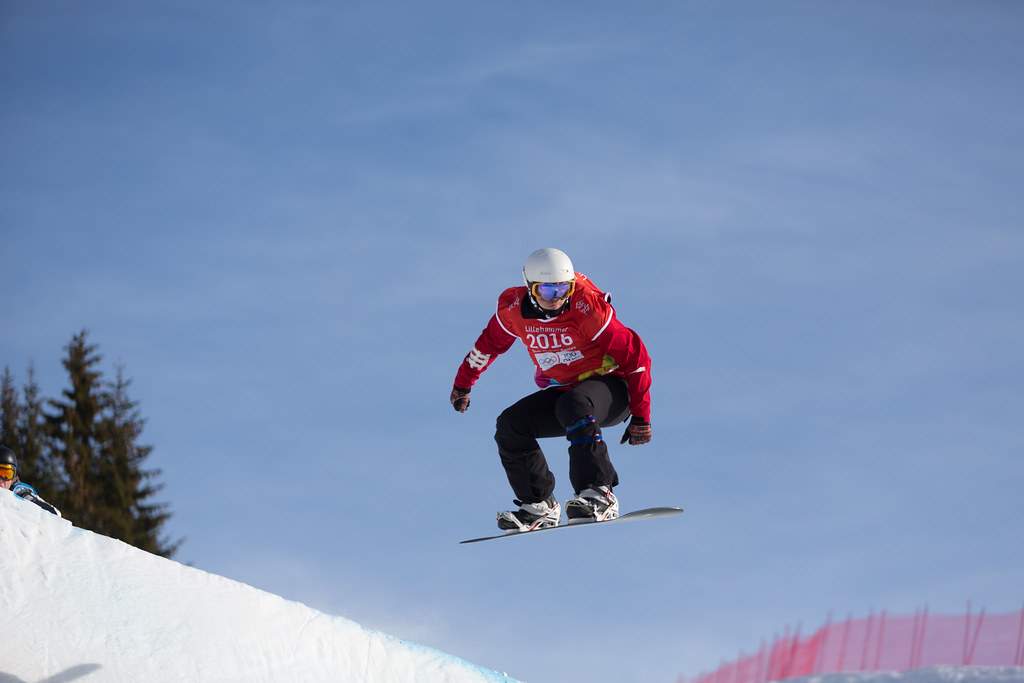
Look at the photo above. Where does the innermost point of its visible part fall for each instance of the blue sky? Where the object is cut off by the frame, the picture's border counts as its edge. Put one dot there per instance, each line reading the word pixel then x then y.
pixel 289 221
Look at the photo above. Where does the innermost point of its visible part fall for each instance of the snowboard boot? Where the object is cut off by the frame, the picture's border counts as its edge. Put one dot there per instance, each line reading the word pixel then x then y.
pixel 531 516
pixel 592 504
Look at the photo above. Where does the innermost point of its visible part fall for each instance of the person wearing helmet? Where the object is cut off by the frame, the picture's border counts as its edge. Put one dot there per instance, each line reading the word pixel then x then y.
pixel 9 480
pixel 593 372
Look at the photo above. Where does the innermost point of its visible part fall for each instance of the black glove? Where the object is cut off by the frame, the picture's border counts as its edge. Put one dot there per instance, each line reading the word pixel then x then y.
pixel 638 432
pixel 460 399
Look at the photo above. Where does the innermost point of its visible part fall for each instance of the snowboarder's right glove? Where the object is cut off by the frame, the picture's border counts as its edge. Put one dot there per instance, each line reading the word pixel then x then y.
pixel 638 432
pixel 460 399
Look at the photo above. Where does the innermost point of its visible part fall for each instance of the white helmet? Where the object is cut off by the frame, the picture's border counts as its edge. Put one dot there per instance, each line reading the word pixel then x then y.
pixel 548 265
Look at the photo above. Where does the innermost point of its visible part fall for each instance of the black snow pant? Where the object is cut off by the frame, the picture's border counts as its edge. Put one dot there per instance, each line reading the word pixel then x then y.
pixel 577 414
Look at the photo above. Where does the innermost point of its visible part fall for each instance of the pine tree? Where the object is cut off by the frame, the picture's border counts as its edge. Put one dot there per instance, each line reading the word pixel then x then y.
pixel 37 465
pixel 127 485
pixel 10 411
pixel 72 433
pixel 21 431
pixel 93 435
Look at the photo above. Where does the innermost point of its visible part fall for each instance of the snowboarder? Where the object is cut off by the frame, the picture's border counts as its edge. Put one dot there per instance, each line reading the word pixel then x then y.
pixel 593 372
pixel 9 480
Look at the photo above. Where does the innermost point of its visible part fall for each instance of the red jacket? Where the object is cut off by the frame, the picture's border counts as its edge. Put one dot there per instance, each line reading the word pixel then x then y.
pixel 582 341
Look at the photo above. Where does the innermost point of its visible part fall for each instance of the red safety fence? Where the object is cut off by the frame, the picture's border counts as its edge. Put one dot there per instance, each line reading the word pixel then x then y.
pixel 881 642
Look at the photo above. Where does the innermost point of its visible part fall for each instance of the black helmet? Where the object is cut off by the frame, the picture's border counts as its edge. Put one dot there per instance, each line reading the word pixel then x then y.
pixel 7 457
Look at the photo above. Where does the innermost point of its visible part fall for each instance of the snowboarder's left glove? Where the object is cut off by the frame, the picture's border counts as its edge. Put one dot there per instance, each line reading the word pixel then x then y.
pixel 460 399
pixel 637 433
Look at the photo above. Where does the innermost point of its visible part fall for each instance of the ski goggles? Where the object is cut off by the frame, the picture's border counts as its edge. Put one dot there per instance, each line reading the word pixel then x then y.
pixel 552 291
pixel 7 472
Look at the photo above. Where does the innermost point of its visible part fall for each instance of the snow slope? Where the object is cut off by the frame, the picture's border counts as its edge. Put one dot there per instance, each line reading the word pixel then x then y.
pixel 78 606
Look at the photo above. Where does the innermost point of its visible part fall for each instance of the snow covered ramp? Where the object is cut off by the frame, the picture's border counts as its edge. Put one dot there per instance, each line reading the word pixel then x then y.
pixel 77 606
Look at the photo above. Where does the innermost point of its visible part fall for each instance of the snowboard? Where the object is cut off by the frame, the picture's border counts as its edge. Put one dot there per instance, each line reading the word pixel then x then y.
pixel 646 513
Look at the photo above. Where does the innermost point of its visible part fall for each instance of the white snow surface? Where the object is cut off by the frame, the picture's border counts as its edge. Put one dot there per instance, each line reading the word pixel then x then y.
pixel 78 606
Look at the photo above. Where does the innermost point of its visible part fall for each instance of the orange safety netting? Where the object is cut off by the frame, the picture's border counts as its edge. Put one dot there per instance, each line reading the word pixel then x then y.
pixel 882 642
